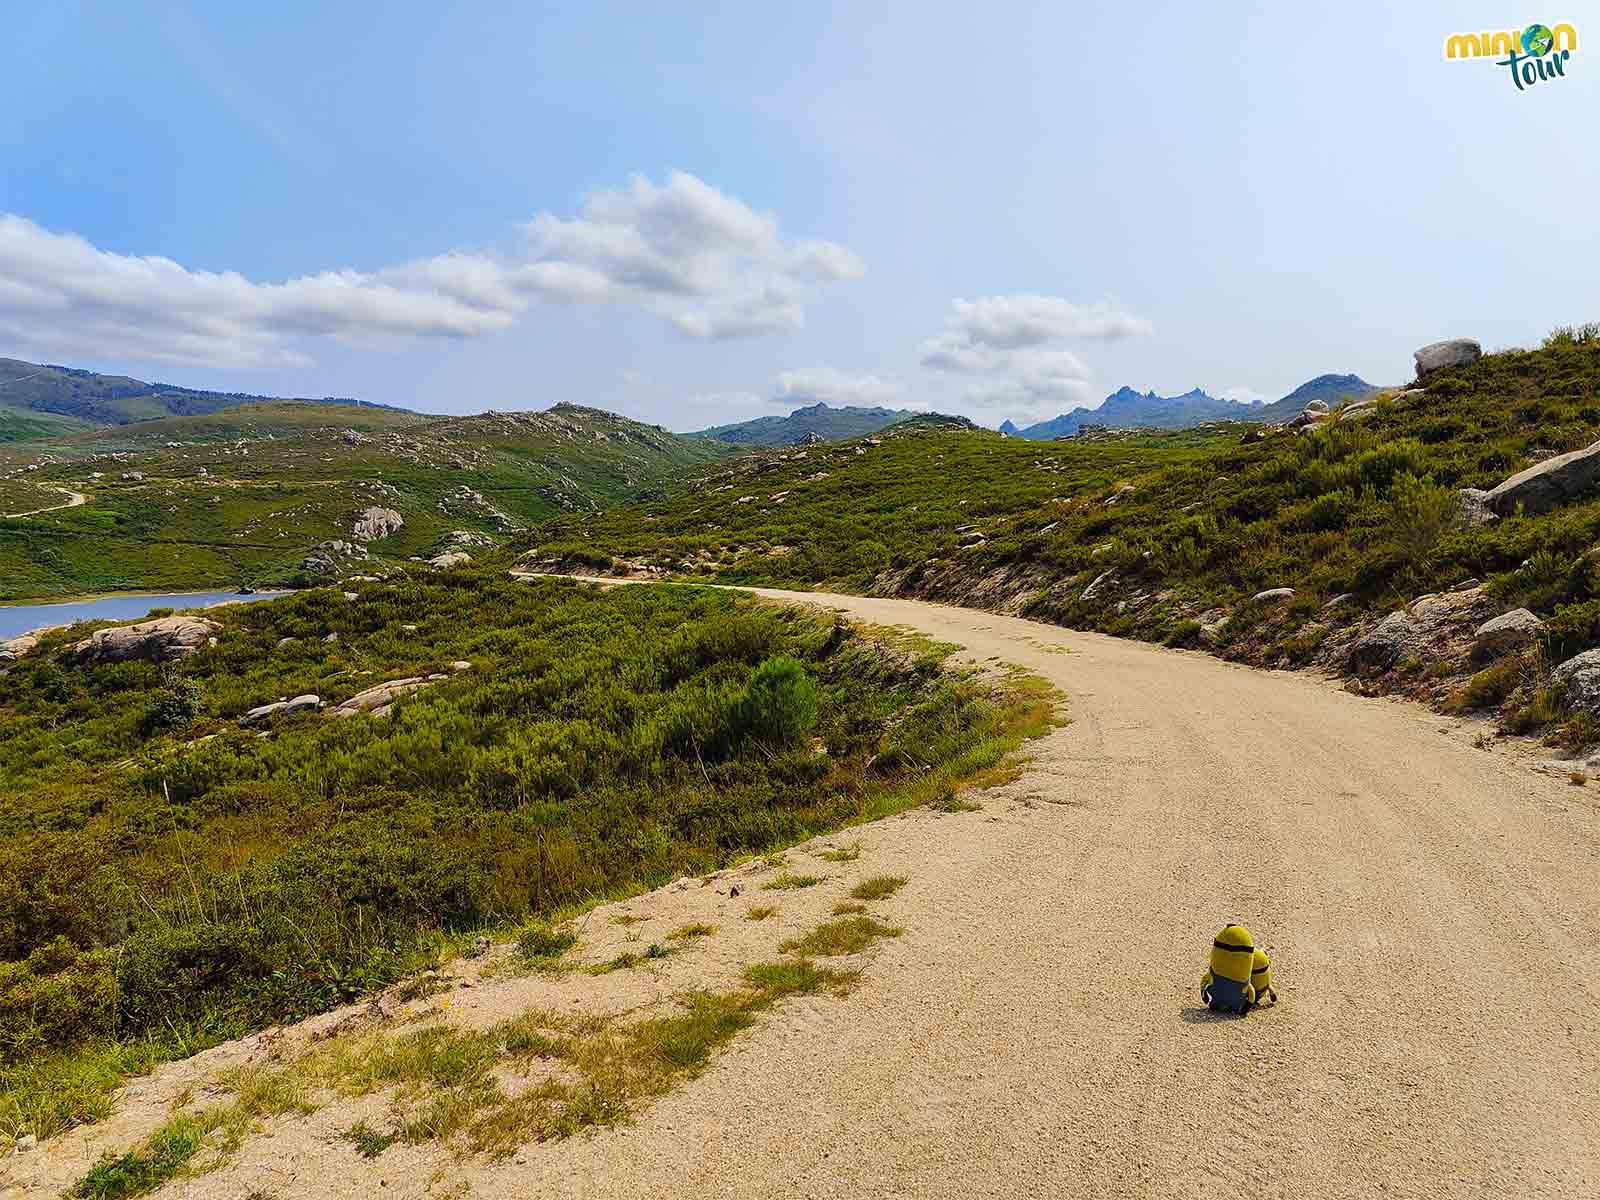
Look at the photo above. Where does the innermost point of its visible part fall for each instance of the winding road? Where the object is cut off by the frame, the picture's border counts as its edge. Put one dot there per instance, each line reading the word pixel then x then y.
pixel 74 500
pixel 1433 910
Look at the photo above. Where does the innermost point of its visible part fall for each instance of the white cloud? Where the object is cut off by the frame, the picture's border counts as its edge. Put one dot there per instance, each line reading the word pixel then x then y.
pixel 1013 342
pixel 1017 322
pixel 828 385
pixel 701 260
pixel 1036 382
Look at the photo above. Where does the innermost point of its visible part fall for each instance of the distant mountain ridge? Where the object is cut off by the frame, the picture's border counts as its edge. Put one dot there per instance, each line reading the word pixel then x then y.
pixel 1333 390
pixel 825 422
pixel 1126 408
pixel 102 400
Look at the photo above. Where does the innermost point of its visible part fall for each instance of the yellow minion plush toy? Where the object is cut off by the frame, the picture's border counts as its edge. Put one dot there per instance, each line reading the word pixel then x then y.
pixel 1261 977
pixel 1226 986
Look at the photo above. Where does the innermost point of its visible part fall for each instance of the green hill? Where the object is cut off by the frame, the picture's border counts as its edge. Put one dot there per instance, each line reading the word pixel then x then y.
pixel 1172 536
pixel 1332 390
pixel 819 422
pixel 26 425
pixel 110 399
pixel 251 493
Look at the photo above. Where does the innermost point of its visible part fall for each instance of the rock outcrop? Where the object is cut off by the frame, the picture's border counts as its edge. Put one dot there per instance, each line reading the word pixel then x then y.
pixel 450 559
pixel 1506 632
pixel 377 699
pixel 1395 637
pixel 1099 584
pixel 159 640
pixel 20 646
pixel 1548 484
pixel 373 524
pixel 1580 676
pixel 1474 508
pixel 256 716
pixel 1314 413
pixel 1362 409
pixel 324 557
pixel 1442 356
pixel 1273 596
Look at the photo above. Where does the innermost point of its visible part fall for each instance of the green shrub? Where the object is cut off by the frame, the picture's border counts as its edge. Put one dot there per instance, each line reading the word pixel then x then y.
pixel 1490 687
pixel 1185 633
pixel 780 702
pixel 540 941
pixel 1573 335
pixel 176 706
pixel 1421 513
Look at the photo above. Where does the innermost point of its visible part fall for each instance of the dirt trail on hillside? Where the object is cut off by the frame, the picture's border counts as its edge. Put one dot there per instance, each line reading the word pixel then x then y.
pixel 74 500
pixel 1432 910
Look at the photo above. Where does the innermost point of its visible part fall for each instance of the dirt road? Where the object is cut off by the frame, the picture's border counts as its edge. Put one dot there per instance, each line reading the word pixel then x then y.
pixel 74 500
pixel 1433 912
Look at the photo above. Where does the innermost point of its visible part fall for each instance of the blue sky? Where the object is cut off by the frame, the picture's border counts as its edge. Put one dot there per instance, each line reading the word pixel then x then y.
pixel 707 214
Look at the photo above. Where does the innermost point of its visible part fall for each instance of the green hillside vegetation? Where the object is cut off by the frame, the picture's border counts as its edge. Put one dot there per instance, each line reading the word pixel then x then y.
pixel 244 496
pixel 1174 528
pixel 168 879
pixel 94 399
pixel 818 421
pixel 844 516
pixel 273 418
pixel 25 425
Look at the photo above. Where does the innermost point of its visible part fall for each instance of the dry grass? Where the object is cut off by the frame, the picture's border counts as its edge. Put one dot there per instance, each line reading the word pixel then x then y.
pixel 789 881
pixel 843 854
pixel 445 1083
pixel 761 912
pixel 949 800
pixel 845 935
pixel 627 960
pixel 697 929
pixel 878 887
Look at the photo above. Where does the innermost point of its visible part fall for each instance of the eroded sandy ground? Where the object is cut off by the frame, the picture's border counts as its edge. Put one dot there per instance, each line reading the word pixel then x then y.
pixel 1432 909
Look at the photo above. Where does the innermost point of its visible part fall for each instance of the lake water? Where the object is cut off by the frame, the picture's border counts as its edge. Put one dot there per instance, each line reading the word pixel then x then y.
pixel 20 618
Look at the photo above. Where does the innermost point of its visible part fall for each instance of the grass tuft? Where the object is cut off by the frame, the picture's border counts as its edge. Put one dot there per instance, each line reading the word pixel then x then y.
pixel 543 943
pixel 627 960
pixel 789 881
pixel 843 854
pixel 878 887
pixel 949 800
pixel 698 929
pixel 369 1143
pixel 760 912
pixel 846 935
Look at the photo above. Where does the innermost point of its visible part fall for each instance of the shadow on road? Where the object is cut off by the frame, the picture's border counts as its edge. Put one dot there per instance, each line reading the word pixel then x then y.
pixel 1197 1015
